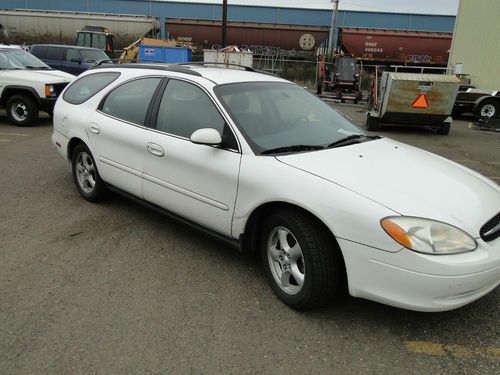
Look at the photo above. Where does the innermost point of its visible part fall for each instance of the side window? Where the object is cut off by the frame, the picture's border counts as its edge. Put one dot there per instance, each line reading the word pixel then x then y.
pixel 83 39
pixel 185 108
pixel 130 101
pixel 84 88
pixel 55 53
pixel 39 51
pixel 72 53
pixel 99 41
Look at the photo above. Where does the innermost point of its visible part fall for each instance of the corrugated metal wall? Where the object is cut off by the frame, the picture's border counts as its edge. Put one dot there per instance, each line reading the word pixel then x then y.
pixel 281 15
pixel 476 42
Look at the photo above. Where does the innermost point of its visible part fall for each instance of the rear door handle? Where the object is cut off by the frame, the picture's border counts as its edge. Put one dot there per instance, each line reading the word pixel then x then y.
pixel 94 128
pixel 155 149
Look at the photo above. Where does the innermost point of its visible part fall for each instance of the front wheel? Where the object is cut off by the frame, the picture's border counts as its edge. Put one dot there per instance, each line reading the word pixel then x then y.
pixel 21 110
pixel 302 262
pixel 85 174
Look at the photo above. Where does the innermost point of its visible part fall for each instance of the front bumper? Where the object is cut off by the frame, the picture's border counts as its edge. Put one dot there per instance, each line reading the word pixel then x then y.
pixel 421 282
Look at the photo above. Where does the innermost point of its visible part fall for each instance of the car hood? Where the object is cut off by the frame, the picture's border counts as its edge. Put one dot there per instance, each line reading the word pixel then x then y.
pixel 407 180
pixel 40 76
pixel 59 74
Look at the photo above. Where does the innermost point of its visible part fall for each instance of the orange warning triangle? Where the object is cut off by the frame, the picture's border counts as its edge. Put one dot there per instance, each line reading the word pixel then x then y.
pixel 421 102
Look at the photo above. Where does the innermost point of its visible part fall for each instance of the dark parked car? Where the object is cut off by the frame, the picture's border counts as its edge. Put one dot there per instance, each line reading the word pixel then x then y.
pixel 71 59
pixel 481 103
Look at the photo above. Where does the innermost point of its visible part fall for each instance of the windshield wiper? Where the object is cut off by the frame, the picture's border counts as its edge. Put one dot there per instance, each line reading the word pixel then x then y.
pixel 292 148
pixel 352 139
pixel 37 67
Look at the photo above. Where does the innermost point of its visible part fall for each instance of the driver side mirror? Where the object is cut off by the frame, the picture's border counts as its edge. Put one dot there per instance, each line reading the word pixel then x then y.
pixel 206 136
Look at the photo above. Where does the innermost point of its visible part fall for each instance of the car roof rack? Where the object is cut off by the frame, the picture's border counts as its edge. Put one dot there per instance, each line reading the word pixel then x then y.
pixel 177 67
pixel 104 64
pixel 229 65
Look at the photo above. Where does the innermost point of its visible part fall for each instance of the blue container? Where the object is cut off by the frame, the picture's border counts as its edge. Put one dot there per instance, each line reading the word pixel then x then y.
pixel 164 54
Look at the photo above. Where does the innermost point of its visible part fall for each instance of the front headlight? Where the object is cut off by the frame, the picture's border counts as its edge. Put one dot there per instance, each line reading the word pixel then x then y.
pixel 427 236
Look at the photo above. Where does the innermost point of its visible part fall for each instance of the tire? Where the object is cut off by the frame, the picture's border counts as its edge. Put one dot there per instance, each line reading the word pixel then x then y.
pixel 444 129
pixel 87 180
pixel 372 123
pixel 313 259
pixel 488 108
pixel 21 110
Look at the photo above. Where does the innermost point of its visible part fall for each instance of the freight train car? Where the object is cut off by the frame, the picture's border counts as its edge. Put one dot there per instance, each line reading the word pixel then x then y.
pixel 396 46
pixel 36 26
pixel 251 34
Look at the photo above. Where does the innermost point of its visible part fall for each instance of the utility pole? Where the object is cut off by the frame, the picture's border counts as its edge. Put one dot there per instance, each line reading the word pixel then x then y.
pixel 333 28
pixel 224 23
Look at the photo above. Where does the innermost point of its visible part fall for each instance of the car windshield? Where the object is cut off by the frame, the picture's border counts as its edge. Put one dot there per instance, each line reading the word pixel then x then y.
pixel 283 117
pixel 20 59
pixel 90 55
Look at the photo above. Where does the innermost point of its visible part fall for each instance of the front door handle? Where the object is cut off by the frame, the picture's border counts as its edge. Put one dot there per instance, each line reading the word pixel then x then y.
pixel 94 128
pixel 155 149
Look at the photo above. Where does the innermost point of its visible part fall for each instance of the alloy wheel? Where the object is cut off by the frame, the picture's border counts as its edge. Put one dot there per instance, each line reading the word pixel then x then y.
pixel 286 260
pixel 86 173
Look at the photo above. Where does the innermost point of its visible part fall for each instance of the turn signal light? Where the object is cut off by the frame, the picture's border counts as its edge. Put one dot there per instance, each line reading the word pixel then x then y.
pixel 49 91
pixel 397 233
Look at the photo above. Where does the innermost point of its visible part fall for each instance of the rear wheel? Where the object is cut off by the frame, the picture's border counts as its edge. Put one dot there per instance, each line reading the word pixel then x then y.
pixel 86 176
pixel 487 108
pixel 444 129
pixel 21 110
pixel 301 261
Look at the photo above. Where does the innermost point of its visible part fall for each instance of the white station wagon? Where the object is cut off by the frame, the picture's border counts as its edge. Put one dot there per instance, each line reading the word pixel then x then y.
pixel 264 165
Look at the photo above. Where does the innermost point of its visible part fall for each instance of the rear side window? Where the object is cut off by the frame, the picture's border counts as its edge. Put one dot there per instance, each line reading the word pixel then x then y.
pixel 55 53
pixel 130 101
pixel 84 88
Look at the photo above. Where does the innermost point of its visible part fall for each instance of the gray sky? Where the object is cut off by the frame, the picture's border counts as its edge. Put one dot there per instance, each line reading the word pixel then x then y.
pixel 448 7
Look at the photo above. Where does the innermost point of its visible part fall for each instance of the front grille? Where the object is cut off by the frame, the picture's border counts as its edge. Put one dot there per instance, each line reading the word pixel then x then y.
pixel 491 229
pixel 58 87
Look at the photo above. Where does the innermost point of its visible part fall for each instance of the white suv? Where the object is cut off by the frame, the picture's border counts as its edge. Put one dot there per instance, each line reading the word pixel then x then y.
pixel 264 165
pixel 27 85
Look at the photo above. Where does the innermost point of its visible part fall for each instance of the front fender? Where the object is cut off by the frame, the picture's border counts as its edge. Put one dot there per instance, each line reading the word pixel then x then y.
pixel 347 214
pixel 478 101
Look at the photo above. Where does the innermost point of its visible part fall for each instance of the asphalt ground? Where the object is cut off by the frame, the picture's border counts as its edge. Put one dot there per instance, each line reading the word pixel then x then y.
pixel 116 288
